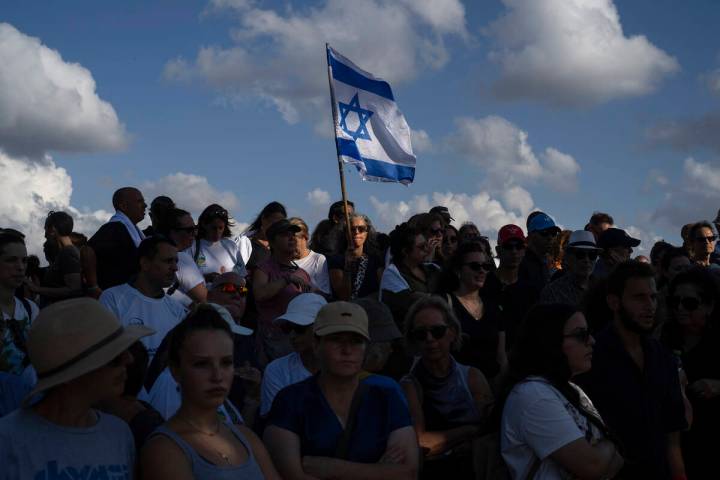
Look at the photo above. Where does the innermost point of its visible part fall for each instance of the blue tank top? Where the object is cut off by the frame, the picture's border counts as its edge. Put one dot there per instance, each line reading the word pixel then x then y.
pixel 204 470
pixel 446 402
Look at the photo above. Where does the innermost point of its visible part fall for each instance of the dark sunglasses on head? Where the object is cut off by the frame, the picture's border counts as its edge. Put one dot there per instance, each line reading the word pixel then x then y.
pixel 359 229
pixel 581 253
pixel 709 239
pixel 232 288
pixel 582 335
pixel 287 327
pixel 477 266
pixel 218 213
pixel 513 246
pixel 437 332
pixel 689 304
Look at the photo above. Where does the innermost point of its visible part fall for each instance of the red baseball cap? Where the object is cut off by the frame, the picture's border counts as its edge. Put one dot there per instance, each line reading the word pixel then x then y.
pixel 510 232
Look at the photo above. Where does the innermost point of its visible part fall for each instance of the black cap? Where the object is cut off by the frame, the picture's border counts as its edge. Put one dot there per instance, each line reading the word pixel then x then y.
pixel 442 211
pixel 281 226
pixel 616 237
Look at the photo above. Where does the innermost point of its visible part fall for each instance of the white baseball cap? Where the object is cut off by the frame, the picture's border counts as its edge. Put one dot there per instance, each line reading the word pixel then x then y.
pixel 303 309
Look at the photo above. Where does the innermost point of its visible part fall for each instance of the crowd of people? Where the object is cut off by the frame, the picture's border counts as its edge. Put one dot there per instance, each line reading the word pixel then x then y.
pixel 187 351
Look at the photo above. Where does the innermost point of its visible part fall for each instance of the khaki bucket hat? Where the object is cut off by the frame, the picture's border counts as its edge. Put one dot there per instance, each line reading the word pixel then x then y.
pixel 73 337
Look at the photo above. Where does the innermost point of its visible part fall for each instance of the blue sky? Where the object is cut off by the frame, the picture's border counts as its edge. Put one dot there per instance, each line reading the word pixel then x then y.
pixel 568 106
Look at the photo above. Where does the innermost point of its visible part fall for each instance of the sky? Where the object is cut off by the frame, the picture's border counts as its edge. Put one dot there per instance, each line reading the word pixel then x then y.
pixel 569 106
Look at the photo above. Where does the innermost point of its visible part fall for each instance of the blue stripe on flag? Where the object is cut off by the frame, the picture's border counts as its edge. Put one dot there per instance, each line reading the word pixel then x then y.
pixel 349 76
pixel 376 168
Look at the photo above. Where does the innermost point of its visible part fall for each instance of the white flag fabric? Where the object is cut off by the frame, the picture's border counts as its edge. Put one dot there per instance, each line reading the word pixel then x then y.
pixel 370 131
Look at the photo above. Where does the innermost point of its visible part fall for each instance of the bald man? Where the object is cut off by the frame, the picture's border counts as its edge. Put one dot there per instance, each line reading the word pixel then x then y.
pixel 115 243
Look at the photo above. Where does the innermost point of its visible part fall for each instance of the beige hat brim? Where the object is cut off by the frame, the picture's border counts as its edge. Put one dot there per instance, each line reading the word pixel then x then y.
pixel 93 361
pixel 330 329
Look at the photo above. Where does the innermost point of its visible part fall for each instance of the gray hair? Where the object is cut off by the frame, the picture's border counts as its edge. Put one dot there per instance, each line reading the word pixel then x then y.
pixel 435 303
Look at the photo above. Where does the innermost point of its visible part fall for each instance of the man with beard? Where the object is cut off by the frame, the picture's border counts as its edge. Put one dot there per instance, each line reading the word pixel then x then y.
pixel 634 381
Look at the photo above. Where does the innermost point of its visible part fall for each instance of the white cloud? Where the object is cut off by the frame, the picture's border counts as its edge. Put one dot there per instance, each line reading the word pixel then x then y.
pixel 49 104
pixel 506 157
pixel 647 239
pixel 278 57
pixel 190 192
pixel 318 198
pixel 488 213
pixel 712 81
pixel 704 178
pixel 420 141
pixel 30 190
pixel 572 53
pixel 687 134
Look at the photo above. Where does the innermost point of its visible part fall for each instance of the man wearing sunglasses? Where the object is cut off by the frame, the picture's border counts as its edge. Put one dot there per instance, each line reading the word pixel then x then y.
pixel 703 241
pixel 581 253
pixel 534 269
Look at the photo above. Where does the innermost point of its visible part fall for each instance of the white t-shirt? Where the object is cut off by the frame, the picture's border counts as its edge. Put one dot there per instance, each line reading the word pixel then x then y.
pixel 316 266
pixel 11 357
pixel 280 373
pixel 134 308
pixel 245 245
pixel 538 420
pixel 219 257
pixel 164 396
pixel 188 276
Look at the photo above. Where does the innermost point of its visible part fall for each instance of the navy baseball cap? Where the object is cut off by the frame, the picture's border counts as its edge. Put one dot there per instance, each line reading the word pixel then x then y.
pixel 616 237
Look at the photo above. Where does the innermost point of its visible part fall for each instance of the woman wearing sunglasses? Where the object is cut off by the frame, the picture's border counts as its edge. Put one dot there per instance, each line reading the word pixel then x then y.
pixel 178 226
pixel 550 428
pixel 691 331
pixel 483 343
pixel 448 401
pixel 357 273
pixel 213 251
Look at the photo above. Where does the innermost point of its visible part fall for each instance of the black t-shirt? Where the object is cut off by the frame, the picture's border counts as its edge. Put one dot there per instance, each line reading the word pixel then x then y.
pixel 67 262
pixel 640 406
pixel 513 302
pixel 370 283
pixel 480 337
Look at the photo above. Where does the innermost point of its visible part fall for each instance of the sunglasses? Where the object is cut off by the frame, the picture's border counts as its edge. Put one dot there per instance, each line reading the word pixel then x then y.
pixel 580 253
pixel 287 327
pixel 582 335
pixel 689 304
pixel 450 239
pixel 709 239
pixel 513 246
pixel 359 229
pixel 477 266
pixel 192 229
pixel 437 332
pixel 218 213
pixel 434 232
pixel 232 288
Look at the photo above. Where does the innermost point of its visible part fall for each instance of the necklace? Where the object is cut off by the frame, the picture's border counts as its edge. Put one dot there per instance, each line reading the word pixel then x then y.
pixel 224 456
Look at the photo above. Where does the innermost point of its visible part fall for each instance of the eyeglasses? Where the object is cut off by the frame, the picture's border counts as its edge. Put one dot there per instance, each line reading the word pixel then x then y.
pixel 435 232
pixel 477 266
pixel 287 327
pixel 709 239
pixel 549 232
pixel 513 246
pixel 359 229
pixel 232 288
pixel 436 331
pixel 689 304
pixel 581 253
pixel 218 213
pixel 450 239
pixel 582 335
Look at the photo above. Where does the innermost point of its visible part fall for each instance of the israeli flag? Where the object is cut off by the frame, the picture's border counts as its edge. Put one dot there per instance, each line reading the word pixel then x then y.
pixel 370 131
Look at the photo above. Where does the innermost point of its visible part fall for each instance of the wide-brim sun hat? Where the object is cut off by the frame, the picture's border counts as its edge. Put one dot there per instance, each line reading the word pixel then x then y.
pixel 73 337
pixel 582 240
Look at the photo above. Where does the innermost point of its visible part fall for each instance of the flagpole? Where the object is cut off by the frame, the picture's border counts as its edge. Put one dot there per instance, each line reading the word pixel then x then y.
pixel 340 162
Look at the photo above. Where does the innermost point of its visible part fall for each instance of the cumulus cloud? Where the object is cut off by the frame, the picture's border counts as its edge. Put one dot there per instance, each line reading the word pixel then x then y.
pixel 49 104
pixel 318 198
pixel 688 133
pixel 190 192
pixel 30 190
pixel 278 57
pixel 506 157
pixel 572 53
pixel 712 81
pixel 646 236
pixel 488 213
pixel 420 141
pixel 696 196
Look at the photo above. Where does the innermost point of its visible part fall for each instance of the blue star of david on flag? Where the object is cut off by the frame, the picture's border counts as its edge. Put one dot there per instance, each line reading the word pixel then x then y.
pixel 362 114
pixel 377 141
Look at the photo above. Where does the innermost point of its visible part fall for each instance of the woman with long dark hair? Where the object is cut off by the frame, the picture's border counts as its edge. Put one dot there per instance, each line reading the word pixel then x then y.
pixel 213 251
pixel 253 243
pixel 550 428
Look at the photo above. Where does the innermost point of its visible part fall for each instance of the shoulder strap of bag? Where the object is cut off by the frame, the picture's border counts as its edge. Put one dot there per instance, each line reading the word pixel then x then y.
pixel 341 451
pixel 534 469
